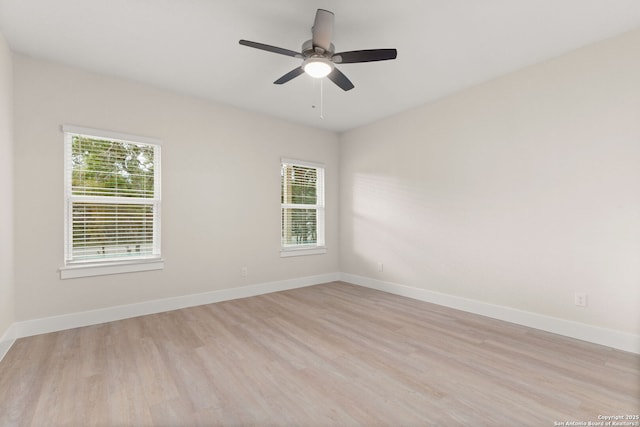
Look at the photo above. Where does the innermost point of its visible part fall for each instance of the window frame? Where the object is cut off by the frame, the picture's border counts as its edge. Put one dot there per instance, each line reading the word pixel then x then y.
pixel 115 265
pixel 319 247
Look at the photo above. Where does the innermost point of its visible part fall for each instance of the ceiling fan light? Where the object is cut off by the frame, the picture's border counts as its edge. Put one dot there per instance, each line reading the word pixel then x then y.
pixel 318 67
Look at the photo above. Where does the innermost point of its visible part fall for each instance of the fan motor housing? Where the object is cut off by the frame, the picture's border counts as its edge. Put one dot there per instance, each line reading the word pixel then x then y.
pixel 309 51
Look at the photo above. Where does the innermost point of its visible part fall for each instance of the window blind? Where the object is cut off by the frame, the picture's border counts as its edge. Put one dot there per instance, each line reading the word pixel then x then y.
pixel 302 205
pixel 112 199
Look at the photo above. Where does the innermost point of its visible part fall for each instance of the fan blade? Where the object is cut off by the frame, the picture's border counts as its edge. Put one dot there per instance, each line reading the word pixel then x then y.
pixel 270 48
pixel 323 29
pixel 289 76
pixel 340 79
pixel 369 55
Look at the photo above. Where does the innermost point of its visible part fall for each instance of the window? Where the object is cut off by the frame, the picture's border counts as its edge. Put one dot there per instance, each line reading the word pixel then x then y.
pixel 302 206
pixel 112 203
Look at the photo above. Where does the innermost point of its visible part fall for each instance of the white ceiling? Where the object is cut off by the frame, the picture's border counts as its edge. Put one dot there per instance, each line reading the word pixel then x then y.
pixel 191 46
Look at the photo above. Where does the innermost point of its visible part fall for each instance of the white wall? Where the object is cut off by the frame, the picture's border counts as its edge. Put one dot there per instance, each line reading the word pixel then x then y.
pixel 221 184
pixel 6 190
pixel 517 192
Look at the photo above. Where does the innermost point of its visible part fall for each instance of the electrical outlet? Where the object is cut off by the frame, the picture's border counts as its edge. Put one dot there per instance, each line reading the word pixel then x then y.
pixel 244 271
pixel 580 299
pixel 380 267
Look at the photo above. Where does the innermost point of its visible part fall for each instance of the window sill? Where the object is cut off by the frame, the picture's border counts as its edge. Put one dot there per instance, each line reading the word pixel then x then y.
pixel 302 251
pixel 103 269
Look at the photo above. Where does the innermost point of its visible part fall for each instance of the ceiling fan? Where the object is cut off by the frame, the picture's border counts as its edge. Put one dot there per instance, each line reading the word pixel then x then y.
pixel 318 54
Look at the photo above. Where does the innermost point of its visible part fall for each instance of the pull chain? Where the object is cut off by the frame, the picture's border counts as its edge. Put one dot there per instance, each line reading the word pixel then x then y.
pixel 321 98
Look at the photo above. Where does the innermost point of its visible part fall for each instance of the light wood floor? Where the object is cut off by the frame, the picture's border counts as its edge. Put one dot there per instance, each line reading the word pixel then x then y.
pixel 333 354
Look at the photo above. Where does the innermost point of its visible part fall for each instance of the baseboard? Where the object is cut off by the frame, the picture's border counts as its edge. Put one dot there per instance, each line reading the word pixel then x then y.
pixel 594 334
pixel 7 340
pixel 94 317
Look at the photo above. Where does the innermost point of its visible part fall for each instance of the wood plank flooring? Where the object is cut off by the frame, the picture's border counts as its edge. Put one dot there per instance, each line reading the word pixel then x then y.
pixel 333 354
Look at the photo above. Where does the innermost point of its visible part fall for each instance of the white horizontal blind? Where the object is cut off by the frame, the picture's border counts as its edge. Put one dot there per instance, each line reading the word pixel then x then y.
pixel 112 199
pixel 302 205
